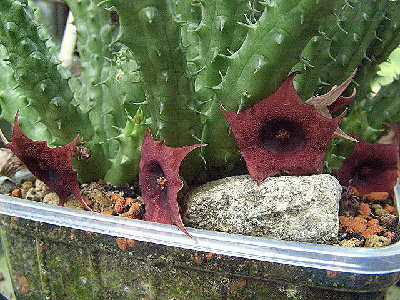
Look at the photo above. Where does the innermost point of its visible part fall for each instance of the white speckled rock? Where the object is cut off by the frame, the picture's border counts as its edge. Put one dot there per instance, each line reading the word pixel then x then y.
pixel 297 208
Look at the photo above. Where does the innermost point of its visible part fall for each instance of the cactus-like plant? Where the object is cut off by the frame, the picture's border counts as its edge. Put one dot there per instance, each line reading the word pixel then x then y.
pixel 170 64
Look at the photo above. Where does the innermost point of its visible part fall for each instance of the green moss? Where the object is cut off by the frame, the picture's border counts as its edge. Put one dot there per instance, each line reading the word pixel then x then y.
pixel 47 261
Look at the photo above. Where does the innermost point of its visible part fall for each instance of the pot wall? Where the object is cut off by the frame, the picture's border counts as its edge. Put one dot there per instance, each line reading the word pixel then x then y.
pixel 53 262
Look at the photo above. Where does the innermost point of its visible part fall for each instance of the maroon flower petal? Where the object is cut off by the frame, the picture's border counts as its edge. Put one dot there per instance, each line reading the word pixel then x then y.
pixel 341 102
pixel 50 165
pixel 372 167
pixel 159 180
pixel 282 133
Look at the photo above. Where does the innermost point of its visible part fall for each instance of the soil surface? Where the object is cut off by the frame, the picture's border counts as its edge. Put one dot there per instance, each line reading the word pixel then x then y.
pixel 368 221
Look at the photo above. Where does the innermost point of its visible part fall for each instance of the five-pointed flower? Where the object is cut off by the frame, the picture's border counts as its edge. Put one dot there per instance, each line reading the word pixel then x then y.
pixel 50 165
pixel 159 180
pixel 281 133
pixel 372 167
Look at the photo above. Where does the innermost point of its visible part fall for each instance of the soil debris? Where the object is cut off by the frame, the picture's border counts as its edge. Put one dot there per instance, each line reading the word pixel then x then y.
pixel 369 221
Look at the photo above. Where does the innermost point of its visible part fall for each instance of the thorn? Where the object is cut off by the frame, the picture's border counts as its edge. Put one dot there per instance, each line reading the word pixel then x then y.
pixel 356 37
pixel 100 83
pixel 196 137
pixel 227 56
pixel 229 51
pixel 221 22
pixel 198 112
pixel 203 159
pixel 377 37
pixel 248 26
pixel 330 55
pixel 340 27
pixel 279 38
pixel 366 57
pixel 269 3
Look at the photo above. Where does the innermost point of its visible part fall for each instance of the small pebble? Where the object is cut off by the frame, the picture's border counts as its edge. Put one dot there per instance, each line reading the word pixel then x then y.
pixel 377 196
pixel 25 187
pixel 122 243
pixel 353 242
pixel 376 206
pixel 389 208
pixel 381 212
pixel 388 220
pixel 389 235
pixel 373 227
pixel 119 202
pixel 364 209
pixel 16 193
pixel 377 241
pixel 107 213
pixel 51 198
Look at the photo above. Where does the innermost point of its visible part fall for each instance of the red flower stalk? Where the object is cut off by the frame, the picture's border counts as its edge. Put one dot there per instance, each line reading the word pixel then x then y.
pixel 282 133
pixel 372 167
pixel 50 165
pixel 159 180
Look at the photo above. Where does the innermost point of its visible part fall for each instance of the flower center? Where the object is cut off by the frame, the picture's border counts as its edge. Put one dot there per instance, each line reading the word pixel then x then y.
pixel 282 137
pixel 162 182
pixel 365 171
pixel 157 182
pixel 282 134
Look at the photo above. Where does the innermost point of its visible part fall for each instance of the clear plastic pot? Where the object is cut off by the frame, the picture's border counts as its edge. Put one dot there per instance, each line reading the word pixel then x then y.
pixel 60 253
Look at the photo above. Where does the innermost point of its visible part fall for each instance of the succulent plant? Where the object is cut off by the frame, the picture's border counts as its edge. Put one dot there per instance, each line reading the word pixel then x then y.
pixel 170 64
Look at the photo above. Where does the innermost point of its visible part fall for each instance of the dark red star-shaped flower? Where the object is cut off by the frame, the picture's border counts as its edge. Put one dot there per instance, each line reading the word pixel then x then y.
pixel 50 165
pixel 282 133
pixel 159 180
pixel 372 167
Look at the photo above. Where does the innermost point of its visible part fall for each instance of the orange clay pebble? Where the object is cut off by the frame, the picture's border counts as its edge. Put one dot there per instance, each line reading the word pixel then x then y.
pixel 131 243
pixel 197 259
pixel 389 234
pixel 114 197
pixel 332 274
pixel 364 209
pixel 353 224
pixel 242 283
pixel 130 213
pixel 107 213
pixel 209 255
pixel 389 208
pixel 376 196
pixel 122 243
pixel 129 200
pixel 372 228
pixel 119 202
pixel 16 193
